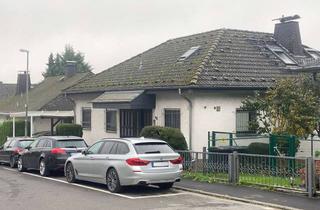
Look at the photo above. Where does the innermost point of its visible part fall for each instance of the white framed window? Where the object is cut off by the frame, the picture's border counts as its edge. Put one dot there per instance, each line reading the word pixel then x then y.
pixel 246 121
pixel 86 118
pixel 111 121
pixel 172 118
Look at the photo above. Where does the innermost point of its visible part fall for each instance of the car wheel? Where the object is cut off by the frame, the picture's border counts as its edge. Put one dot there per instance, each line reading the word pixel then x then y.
pixel 43 168
pixel 12 162
pixel 70 176
pixel 165 186
pixel 20 166
pixel 113 182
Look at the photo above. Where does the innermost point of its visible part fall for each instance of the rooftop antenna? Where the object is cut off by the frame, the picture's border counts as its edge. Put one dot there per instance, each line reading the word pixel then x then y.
pixel 285 19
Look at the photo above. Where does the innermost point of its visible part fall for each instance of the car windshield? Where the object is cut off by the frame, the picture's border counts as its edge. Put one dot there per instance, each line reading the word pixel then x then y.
pixel 71 143
pixel 24 143
pixel 152 148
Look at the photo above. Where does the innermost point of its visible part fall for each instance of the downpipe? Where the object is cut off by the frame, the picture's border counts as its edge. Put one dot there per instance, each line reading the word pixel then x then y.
pixel 190 116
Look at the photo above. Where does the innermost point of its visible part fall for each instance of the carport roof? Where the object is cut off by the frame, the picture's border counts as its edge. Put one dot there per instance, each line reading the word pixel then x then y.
pixel 49 114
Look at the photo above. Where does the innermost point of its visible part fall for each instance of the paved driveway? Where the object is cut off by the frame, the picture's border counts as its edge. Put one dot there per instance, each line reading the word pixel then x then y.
pixel 30 191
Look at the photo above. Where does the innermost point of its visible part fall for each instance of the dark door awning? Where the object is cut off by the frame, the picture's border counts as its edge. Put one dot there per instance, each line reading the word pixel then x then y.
pixel 136 99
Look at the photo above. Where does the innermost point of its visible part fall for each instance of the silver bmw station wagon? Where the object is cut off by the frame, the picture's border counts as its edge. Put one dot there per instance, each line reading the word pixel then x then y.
pixel 125 162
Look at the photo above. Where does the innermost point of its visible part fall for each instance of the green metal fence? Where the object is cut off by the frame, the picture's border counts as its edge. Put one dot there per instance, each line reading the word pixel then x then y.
pixel 248 169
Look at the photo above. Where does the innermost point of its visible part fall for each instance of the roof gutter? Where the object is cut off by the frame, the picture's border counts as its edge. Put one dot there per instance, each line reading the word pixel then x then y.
pixel 190 116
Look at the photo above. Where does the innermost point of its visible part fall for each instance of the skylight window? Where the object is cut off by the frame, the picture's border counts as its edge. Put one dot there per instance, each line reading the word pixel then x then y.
pixel 313 53
pixel 187 54
pixel 280 53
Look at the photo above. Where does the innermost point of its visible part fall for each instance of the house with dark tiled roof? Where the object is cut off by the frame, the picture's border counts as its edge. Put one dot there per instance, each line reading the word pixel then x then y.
pixel 195 83
pixel 48 105
pixel 6 90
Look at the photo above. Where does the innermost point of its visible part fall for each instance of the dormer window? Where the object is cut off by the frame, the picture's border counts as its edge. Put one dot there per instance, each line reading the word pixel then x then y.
pixel 187 54
pixel 281 54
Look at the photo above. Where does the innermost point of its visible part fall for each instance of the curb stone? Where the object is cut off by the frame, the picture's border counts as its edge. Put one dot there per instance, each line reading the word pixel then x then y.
pixel 236 199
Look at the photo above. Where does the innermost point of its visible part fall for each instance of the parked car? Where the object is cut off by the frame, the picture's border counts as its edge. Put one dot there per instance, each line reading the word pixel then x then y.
pixel 9 151
pixel 49 153
pixel 124 162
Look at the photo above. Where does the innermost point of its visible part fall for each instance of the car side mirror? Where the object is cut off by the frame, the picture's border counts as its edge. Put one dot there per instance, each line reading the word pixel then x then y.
pixel 28 147
pixel 84 152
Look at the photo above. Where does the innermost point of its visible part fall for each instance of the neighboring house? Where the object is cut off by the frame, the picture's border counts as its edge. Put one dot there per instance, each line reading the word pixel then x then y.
pixel 47 104
pixel 7 90
pixel 194 83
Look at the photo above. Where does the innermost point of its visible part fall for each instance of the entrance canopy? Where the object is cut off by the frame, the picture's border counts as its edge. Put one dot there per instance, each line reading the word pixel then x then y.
pixel 136 99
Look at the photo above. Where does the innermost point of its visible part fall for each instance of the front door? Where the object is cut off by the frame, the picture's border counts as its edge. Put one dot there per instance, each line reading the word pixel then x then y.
pixel 133 120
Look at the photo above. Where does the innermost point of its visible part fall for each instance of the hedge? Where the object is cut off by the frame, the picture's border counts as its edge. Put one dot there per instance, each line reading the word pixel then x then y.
pixel 6 129
pixel 69 129
pixel 172 136
pixel 258 148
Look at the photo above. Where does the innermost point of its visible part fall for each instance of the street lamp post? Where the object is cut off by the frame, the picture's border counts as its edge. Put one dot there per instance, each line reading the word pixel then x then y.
pixel 27 93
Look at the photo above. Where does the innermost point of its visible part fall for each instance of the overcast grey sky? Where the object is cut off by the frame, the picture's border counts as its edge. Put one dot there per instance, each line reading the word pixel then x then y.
pixel 110 31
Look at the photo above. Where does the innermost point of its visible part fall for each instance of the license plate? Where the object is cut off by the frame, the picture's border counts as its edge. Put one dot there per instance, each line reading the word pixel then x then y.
pixel 160 164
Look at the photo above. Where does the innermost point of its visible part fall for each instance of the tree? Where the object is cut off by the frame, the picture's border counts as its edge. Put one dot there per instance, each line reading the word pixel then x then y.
pixel 55 65
pixel 290 107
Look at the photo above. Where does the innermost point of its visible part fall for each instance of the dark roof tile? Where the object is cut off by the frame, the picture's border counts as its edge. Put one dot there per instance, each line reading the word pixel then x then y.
pixel 226 58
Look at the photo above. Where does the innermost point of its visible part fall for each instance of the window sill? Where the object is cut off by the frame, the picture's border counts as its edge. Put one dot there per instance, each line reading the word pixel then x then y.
pixel 108 131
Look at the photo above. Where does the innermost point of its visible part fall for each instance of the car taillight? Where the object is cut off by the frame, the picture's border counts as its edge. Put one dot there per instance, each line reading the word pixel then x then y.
pixel 58 151
pixel 137 162
pixel 177 161
pixel 17 150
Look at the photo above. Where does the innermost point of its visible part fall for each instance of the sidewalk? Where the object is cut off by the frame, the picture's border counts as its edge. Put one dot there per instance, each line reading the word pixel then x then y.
pixel 250 194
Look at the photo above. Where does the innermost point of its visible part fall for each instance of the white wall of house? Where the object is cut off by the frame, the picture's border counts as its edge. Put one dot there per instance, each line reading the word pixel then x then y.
pixel 172 100
pixel 214 111
pixel 206 115
pixel 41 124
pixel 98 123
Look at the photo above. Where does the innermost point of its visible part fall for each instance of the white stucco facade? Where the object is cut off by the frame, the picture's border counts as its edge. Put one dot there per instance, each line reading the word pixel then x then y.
pixel 211 110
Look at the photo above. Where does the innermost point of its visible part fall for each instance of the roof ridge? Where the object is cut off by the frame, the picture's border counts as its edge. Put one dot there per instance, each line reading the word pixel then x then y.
pixel 207 58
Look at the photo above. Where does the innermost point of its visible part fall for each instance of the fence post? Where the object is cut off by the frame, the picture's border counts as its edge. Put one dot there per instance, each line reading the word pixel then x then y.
pixel 230 167
pixel 196 168
pixel 233 167
pixel 236 168
pixel 204 157
pixel 310 177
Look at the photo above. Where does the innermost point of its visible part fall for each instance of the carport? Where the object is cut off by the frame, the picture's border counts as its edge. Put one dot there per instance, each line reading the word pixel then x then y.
pixel 54 116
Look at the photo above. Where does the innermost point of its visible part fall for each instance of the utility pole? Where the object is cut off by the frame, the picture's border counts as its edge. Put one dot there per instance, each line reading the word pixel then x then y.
pixel 27 93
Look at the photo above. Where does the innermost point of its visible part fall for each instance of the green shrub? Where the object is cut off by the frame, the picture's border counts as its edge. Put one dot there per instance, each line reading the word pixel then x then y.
pixel 69 129
pixel 6 129
pixel 258 148
pixel 172 136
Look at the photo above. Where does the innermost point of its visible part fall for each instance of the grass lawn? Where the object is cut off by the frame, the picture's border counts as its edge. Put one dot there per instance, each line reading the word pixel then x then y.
pixel 246 179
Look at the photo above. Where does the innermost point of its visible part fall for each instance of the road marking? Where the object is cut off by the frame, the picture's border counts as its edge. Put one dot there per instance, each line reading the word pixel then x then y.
pixel 104 191
pixel 99 190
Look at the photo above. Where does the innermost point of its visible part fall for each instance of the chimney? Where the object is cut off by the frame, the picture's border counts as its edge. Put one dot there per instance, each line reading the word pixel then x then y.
pixel 70 68
pixel 287 33
pixel 21 83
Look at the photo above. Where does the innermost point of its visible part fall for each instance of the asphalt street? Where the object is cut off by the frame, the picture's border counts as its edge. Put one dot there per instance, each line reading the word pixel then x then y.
pixel 29 191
